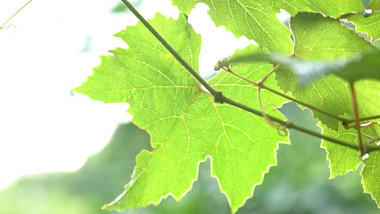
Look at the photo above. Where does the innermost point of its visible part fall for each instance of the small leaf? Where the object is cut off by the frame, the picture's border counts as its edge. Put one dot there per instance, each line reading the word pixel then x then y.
pixel 367 23
pixel 371 176
pixel 343 160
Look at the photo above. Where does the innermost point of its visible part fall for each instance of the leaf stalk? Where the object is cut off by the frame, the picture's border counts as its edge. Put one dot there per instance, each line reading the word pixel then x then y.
pixel 356 115
pixel 259 84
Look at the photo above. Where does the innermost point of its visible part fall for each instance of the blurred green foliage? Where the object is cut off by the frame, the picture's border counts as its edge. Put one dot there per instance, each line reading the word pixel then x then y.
pixel 299 184
pixel 84 191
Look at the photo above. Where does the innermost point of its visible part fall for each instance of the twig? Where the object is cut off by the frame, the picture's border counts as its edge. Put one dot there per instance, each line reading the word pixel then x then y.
pixel 343 120
pixel 372 140
pixel 2 26
pixel 219 97
pixel 364 125
pixel 363 119
pixel 261 82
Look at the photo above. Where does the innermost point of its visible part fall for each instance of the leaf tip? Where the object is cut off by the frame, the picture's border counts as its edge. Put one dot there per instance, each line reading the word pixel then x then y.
pixel 114 205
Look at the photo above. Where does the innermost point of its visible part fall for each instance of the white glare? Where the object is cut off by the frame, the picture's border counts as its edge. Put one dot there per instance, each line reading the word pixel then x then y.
pixel 216 42
pixel 364 157
pixel 368 11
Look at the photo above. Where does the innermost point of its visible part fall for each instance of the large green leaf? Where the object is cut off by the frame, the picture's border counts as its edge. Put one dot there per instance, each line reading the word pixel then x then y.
pixel 257 19
pixel 322 38
pixel 368 24
pixel 185 124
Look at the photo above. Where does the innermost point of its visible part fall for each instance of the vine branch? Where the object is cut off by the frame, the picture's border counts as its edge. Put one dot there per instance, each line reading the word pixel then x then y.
pixel 219 97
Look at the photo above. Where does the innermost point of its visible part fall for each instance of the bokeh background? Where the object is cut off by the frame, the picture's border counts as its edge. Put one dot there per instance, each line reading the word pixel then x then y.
pixel 64 165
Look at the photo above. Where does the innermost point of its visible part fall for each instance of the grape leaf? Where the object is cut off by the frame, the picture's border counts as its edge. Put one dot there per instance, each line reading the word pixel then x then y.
pixel 324 38
pixel 343 159
pixel 364 66
pixel 257 19
pixel 254 19
pixel 371 175
pixel 185 124
pixel 368 24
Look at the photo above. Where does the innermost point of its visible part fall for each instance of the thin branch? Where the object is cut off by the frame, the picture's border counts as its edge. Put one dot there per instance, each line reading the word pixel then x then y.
pixel 2 26
pixel 219 97
pixel 362 125
pixel 291 125
pixel 356 114
pixel 364 119
pixel 343 120
pixel 261 82
pixel 373 140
